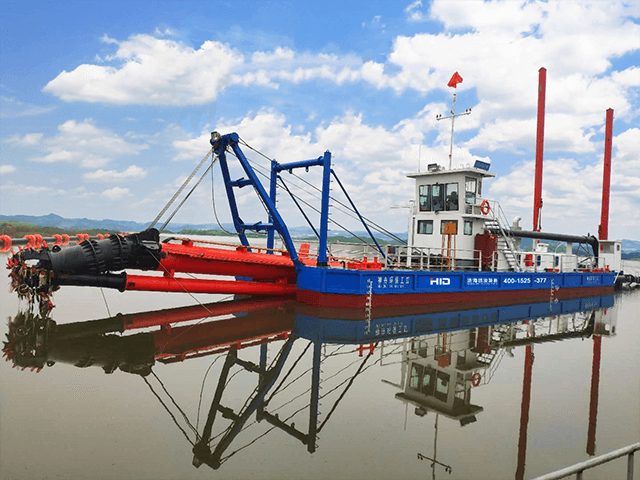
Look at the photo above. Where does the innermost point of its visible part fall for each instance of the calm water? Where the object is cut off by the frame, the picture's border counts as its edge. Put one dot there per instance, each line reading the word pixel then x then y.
pixel 71 422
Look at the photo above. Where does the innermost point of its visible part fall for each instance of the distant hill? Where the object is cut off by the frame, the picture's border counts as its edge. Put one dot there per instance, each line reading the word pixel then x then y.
pixel 630 245
pixel 53 220
pixel 79 224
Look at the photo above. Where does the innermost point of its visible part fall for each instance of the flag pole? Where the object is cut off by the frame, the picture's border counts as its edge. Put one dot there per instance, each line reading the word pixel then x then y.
pixel 455 80
pixel 453 118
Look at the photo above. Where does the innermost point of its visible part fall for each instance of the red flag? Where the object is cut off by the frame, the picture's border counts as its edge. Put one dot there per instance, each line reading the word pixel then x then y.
pixel 455 80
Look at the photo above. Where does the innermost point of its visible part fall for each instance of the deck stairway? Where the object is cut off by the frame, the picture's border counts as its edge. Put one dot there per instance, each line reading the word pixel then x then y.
pixel 506 243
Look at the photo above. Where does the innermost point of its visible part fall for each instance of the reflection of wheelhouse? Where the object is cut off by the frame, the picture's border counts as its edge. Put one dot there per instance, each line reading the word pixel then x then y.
pixel 449 202
pixel 439 372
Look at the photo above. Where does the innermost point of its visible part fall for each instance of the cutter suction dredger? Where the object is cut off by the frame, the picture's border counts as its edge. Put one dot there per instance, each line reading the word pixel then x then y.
pixel 406 275
pixel 245 269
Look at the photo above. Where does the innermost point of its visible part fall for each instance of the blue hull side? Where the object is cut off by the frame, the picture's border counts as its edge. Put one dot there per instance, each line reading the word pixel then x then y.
pixel 349 288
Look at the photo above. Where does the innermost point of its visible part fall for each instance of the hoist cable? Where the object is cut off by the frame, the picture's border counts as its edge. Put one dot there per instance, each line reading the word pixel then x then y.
pixel 186 182
pixel 189 194
pixel 378 228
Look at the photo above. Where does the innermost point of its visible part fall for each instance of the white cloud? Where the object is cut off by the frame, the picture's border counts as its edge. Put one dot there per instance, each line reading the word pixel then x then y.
pixel 79 142
pixel 572 191
pixel 576 41
pixel 131 173
pixel 414 12
pixel 21 189
pixel 115 193
pixel 4 169
pixel 11 107
pixel 26 140
pixel 151 71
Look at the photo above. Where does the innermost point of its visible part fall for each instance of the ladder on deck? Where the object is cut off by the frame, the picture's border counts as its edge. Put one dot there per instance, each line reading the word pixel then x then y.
pixel 499 223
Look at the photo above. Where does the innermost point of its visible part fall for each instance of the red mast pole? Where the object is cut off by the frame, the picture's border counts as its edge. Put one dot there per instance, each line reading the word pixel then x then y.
pixel 603 229
pixel 537 194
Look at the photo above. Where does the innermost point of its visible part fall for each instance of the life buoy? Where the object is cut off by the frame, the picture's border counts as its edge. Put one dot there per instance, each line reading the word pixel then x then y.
pixel 484 207
pixel 475 379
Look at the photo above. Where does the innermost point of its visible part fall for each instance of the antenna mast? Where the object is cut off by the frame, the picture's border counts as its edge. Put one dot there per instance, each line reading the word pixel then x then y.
pixel 455 80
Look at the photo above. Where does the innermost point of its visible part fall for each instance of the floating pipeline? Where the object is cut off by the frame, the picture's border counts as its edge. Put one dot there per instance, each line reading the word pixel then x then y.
pixel 37 272
pixel 37 241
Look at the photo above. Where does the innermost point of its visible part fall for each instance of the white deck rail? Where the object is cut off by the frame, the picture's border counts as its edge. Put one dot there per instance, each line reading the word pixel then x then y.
pixel 578 468
pixel 430 258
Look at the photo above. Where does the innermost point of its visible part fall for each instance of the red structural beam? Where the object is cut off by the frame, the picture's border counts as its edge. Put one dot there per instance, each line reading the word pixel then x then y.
pixel 603 229
pixel 237 262
pixel 196 285
pixel 537 193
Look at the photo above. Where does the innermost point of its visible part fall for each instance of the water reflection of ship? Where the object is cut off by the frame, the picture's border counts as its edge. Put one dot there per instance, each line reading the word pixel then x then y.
pixel 443 355
pixel 35 342
pixel 440 371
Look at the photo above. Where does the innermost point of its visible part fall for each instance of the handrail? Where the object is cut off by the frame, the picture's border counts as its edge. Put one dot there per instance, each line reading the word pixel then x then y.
pixel 578 468
pixel 427 258
pixel 503 222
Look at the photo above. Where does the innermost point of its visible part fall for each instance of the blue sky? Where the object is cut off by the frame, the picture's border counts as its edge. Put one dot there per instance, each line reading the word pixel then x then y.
pixel 105 107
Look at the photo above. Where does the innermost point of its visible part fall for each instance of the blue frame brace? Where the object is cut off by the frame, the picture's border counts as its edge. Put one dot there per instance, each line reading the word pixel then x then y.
pixel 325 163
pixel 276 223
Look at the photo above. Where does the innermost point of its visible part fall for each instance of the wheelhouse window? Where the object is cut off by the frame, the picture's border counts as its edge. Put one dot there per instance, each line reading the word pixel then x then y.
pixel 425 227
pixel 438 197
pixel 424 194
pixel 470 190
pixel 452 197
pixel 468 227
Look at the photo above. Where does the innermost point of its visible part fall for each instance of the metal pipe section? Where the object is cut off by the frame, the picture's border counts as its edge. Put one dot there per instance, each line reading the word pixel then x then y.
pixel 537 193
pixel 123 282
pixel 196 285
pixel 603 228
pixel 559 237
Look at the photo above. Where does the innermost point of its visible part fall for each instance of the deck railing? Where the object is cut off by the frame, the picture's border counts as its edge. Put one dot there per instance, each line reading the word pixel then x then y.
pixel 425 258
pixel 429 258
pixel 578 468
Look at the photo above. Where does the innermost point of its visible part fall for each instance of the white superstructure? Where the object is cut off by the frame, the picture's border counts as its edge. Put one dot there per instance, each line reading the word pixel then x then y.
pixel 449 202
